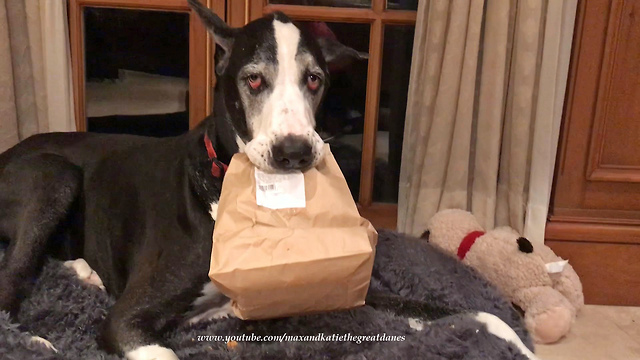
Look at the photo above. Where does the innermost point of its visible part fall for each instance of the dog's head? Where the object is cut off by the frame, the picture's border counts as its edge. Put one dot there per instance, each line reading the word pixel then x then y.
pixel 274 74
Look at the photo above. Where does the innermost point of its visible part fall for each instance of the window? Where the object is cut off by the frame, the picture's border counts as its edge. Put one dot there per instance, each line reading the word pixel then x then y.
pixel 121 44
pixel 363 115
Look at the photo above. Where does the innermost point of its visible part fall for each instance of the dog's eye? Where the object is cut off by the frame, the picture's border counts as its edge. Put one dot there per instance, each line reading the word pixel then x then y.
pixel 254 81
pixel 313 82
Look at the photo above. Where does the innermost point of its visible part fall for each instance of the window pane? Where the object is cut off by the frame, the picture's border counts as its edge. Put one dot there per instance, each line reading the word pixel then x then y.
pixel 340 119
pixel 335 3
pixel 396 67
pixel 137 71
pixel 402 4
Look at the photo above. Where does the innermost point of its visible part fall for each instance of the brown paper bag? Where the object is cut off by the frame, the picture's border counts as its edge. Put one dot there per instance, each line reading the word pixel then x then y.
pixel 275 263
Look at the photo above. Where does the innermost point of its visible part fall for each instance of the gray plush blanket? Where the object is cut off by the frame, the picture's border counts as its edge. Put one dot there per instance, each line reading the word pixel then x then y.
pixel 417 294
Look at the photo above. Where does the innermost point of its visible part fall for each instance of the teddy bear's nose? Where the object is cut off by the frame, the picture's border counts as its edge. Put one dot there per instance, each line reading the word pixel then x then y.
pixel 525 245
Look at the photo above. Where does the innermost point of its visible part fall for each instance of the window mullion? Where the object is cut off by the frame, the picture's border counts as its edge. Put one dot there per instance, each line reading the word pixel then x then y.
pixel 371 112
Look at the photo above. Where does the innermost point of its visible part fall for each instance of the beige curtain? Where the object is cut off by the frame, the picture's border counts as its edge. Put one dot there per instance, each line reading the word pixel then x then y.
pixel 36 94
pixel 485 99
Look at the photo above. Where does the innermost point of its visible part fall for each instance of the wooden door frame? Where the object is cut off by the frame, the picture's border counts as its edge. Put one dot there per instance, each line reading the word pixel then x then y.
pixel 382 215
pixel 602 243
pixel 200 52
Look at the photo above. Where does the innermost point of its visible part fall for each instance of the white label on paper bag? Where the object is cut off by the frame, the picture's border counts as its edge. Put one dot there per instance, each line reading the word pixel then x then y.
pixel 280 191
pixel 556 267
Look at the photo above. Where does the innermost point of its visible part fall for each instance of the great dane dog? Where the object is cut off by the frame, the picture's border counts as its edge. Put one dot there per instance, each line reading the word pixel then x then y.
pixel 140 211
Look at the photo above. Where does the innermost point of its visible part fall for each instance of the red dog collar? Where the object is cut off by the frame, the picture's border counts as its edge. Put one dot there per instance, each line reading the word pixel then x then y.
pixel 467 243
pixel 217 167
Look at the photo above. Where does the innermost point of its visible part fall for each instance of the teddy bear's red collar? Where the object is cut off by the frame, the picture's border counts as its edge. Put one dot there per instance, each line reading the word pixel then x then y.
pixel 467 243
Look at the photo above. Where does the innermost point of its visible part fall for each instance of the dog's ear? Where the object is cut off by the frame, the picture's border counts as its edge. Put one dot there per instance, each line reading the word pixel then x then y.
pixel 337 54
pixel 223 35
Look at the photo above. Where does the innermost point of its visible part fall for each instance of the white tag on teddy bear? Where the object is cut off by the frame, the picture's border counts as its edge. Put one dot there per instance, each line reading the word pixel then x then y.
pixel 556 267
pixel 280 191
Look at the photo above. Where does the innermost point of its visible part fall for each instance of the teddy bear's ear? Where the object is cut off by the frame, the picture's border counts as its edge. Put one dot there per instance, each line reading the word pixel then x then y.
pixel 425 235
pixel 525 245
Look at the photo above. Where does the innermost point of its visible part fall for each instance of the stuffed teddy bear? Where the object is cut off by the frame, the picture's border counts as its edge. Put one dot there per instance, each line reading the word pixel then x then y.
pixel 543 285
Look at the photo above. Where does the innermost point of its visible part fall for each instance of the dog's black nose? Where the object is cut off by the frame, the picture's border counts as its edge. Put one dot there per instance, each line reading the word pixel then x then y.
pixel 292 153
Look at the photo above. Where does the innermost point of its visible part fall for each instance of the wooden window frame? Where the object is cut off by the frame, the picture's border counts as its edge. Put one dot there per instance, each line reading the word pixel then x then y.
pixel 382 215
pixel 200 52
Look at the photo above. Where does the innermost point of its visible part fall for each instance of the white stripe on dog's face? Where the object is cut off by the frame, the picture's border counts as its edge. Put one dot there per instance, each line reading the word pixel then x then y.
pixel 284 110
pixel 289 108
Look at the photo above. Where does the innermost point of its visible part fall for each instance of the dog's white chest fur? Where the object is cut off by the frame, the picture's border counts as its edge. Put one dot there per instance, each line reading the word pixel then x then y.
pixel 212 304
pixel 213 210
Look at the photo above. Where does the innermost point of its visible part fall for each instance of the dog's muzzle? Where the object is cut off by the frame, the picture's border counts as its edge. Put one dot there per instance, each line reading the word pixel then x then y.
pixel 292 153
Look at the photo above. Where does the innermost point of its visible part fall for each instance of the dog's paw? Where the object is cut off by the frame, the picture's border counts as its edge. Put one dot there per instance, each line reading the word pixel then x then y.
pixel 499 328
pixel 223 312
pixel 85 273
pixel 43 341
pixel 151 352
